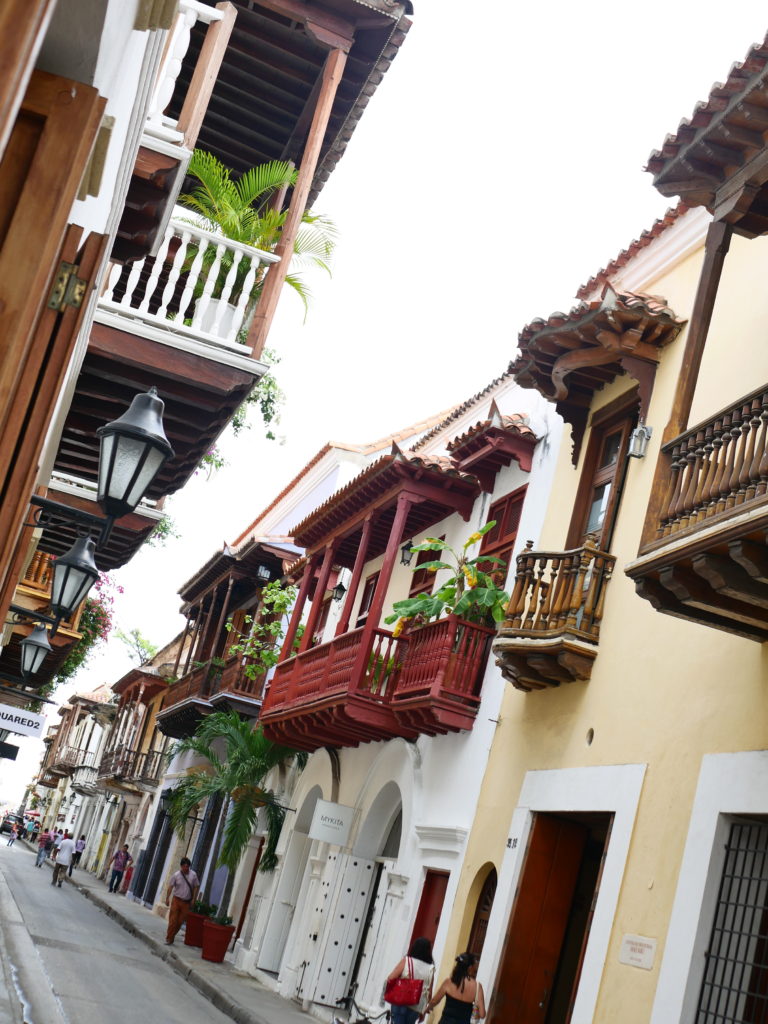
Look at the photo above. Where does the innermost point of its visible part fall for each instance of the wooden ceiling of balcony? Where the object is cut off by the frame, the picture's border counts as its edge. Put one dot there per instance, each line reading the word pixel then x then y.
pixel 438 487
pixel 264 96
pixel 570 356
pixel 200 398
pixel 718 158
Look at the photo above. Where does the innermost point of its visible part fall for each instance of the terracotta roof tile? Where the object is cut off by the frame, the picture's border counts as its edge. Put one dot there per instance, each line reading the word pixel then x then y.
pixel 515 423
pixel 604 275
pixel 458 411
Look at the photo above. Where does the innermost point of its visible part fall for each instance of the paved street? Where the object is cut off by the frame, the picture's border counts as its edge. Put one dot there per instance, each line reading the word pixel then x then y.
pixel 71 963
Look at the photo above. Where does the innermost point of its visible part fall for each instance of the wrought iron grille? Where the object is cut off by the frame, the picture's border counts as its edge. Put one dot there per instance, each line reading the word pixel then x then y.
pixel 735 985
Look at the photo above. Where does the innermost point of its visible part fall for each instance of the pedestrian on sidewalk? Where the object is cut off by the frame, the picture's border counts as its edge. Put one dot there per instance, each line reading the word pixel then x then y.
pixel 30 829
pixel 120 861
pixel 418 965
pixel 79 847
pixel 184 885
pixel 14 834
pixel 63 859
pixel 56 844
pixel 44 844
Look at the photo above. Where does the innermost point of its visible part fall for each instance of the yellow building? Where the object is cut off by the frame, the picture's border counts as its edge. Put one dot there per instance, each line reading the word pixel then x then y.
pixel 625 802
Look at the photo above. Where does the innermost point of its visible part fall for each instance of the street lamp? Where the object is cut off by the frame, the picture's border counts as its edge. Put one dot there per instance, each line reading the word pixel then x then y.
pixel 638 441
pixel 74 573
pixel 338 591
pixel 406 555
pixel 133 449
pixel 33 650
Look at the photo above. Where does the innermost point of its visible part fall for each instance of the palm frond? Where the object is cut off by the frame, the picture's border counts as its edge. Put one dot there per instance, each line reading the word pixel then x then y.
pixel 275 817
pixel 260 182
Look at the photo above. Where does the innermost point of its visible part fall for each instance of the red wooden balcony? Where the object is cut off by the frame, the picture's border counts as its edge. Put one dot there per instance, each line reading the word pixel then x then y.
pixel 209 687
pixel 708 562
pixel 551 632
pixel 367 685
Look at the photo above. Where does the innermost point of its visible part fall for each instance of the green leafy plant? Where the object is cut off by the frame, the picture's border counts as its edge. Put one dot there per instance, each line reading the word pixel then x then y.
pixel 164 531
pixel 240 775
pixel 141 649
pixel 240 210
pixel 204 908
pixel 95 626
pixel 261 642
pixel 267 396
pixel 470 592
pixel 222 919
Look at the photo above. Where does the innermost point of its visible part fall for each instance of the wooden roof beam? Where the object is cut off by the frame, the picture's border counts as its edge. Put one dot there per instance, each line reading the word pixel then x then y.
pixel 325 28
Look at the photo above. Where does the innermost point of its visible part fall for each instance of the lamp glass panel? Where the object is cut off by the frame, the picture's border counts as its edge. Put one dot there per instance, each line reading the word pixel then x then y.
pixel 133 464
pixel 32 656
pixel 70 586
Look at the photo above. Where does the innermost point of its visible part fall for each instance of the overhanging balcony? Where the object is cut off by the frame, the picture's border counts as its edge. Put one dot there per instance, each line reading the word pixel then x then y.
pixel 65 761
pixel 368 685
pixel 134 767
pixel 709 561
pixel 552 629
pixel 210 687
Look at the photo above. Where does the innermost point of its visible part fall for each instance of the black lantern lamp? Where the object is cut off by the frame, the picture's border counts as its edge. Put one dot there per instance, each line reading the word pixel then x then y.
pixel 133 449
pixel 263 573
pixel 406 554
pixel 338 592
pixel 34 648
pixel 74 573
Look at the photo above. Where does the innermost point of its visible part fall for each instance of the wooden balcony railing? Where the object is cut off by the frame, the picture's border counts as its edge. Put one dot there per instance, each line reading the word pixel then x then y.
pixel 70 758
pixel 174 291
pixel 552 626
pixel 717 466
pixel 36 584
pixel 367 685
pixel 132 765
pixel 709 559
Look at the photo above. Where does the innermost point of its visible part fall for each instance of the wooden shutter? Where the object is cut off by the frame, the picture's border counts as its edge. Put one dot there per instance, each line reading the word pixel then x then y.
pixel 500 541
pixel 54 338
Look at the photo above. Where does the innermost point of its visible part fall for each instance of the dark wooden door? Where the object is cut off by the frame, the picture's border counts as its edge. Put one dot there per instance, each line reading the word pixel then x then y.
pixel 539 921
pixel 430 906
pixel 482 914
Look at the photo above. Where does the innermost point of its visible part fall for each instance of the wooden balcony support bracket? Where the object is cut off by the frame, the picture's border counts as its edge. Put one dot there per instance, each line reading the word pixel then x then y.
pixel 333 70
pixel 551 633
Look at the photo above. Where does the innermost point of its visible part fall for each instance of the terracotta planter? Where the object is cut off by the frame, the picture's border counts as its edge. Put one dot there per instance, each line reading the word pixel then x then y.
pixel 216 939
pixel 193 932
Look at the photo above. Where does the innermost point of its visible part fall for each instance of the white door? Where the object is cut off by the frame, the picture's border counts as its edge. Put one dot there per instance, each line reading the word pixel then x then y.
pixel 372 973
pixel 344 901
pixel 288 887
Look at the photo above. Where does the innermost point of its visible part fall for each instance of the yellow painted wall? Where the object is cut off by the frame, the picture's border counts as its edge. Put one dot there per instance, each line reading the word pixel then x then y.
pixel 663 692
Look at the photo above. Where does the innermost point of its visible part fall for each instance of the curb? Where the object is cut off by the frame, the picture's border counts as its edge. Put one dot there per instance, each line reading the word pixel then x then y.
pixel 234 1010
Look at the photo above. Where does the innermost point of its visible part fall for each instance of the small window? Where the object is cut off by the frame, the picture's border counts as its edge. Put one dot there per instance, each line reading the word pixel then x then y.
pixel 369 588
pixel 317 636
pixel 500 541
pixel 423 580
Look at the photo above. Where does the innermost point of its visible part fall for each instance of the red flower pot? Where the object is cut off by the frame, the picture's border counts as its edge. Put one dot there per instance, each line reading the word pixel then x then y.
pixel 193 932
pixel 216 939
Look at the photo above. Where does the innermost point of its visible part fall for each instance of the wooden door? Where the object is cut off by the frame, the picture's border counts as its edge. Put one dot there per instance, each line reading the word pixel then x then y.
pixel 539 921
pixel 482 914
pixel 430 906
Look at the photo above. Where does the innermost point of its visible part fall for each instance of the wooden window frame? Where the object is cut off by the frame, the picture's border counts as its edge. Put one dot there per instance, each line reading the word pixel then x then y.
pixel 423 580
pixel 369 589
pixel 503 545
pixel 622 411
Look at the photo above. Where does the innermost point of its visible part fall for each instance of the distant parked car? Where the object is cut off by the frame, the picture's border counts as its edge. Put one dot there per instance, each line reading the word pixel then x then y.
pixel 9 820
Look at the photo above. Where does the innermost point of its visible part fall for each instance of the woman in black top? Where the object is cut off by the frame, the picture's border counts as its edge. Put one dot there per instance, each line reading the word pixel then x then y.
pixel 461 991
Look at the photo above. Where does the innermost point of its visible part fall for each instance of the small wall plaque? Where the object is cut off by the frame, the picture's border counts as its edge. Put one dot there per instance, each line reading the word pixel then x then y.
pixel 638 951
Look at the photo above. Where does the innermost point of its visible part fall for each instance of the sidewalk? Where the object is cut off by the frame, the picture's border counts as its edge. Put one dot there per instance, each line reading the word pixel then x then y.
pixel 238 995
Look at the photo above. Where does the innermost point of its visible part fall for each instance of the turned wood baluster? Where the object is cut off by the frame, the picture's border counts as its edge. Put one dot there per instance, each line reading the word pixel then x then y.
pixel 695 456
pixel 562 602
pixel 532 592
pixel 720 487
pixel 552 586
pixel 685 469
pixel 709 494
pixel 752 427
pixel 670 498
pixel 759 420
pixel 736 455
pixel 606 572
pixel 577 593
pixel 705 477
pixel 516 605
pixel 760 473
pixel 590 597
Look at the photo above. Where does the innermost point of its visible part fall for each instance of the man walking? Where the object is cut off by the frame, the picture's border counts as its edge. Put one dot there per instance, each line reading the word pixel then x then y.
pixel 183 884
pixel 63 859
pixel 79 847
pixel 44 844
pixel 120 861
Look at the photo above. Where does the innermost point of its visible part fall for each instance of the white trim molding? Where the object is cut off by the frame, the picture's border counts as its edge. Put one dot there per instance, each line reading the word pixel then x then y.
pixel 440 840
pixel 729 785
pixel 612 789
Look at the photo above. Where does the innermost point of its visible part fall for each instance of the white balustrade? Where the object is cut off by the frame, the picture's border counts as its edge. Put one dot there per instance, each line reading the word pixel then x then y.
pixel 190 12
pixel 199 285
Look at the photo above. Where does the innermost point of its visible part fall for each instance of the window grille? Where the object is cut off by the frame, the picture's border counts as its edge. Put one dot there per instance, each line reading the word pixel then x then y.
pixel 735 985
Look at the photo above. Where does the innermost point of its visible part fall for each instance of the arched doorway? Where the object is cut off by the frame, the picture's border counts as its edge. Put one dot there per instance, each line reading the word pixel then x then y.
pixel 482 914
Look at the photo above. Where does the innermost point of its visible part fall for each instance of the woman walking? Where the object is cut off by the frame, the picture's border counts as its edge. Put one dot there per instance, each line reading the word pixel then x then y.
pixel 417 964
pixel 461 991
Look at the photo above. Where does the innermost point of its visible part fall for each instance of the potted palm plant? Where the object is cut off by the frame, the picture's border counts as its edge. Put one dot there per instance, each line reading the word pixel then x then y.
pixel 193 929
pixel 240 210
pixel 239 773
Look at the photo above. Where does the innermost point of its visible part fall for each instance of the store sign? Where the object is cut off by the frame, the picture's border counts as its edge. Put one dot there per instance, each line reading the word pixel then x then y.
pixel 25 722
pixel 331 823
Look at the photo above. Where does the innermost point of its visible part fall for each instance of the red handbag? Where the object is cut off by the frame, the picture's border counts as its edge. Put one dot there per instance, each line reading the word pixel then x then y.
pixel 404 991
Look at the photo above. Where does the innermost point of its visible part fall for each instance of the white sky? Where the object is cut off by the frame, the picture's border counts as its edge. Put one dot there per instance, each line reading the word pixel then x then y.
pixel 498 166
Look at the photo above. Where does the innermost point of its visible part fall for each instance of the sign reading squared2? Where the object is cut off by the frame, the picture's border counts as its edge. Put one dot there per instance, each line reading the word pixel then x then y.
pixel 25 722
pixel 331 823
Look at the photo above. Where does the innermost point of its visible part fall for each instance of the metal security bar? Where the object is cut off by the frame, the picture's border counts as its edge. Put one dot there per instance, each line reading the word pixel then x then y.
pixel 735 985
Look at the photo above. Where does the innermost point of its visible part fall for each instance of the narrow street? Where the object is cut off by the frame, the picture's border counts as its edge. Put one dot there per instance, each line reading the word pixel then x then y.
pixel 66 961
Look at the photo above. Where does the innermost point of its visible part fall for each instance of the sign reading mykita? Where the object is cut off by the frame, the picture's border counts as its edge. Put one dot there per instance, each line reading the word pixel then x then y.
pixel 25 722
pixel 331 823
